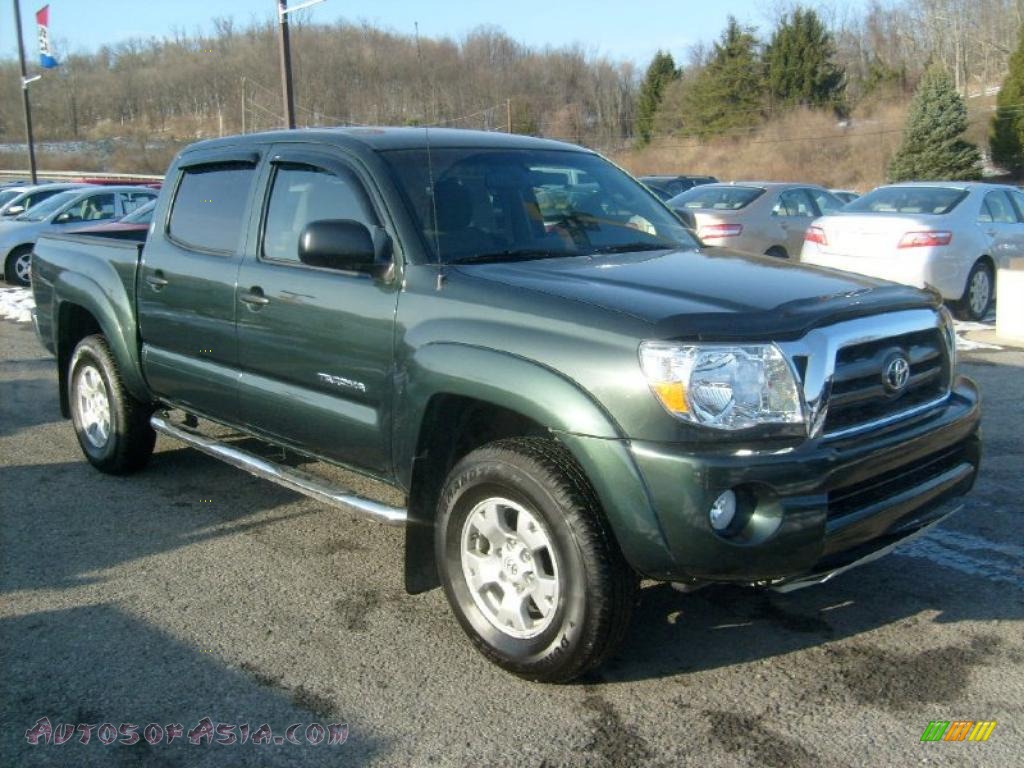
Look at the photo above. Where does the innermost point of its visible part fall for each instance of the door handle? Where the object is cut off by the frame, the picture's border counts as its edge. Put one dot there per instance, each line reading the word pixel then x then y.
pixel 255 298
pixel 156 280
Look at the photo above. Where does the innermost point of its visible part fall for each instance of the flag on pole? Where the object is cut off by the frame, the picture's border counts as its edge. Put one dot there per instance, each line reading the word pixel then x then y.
pixel 46 60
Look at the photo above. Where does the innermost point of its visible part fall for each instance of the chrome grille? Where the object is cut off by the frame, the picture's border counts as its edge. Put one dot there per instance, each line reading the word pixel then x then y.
pixel 860 394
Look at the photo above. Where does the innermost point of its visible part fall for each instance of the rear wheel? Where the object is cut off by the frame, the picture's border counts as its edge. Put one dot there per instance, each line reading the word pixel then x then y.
pixel 527 562
pixel 18 268
pixel 977 298
pixel 112 426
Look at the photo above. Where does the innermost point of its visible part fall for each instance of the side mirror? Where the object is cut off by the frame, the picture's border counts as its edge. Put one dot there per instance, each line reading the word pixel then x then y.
pixel 343 244
pixel 64 218
pixel 15 210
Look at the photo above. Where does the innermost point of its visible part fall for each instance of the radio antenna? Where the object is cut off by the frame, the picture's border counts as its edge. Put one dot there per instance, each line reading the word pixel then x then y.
pixel 430 163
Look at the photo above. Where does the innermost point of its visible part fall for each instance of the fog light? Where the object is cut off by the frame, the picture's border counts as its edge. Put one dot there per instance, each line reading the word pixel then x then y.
pixel 723 511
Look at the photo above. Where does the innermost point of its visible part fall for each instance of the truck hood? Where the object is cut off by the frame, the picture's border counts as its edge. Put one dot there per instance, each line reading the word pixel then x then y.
pixel 709 293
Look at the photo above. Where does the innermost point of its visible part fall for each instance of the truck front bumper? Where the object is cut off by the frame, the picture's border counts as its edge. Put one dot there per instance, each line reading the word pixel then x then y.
pixel 809 510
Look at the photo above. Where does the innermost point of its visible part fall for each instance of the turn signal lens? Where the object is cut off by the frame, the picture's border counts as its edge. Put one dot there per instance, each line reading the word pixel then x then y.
pixel 925 239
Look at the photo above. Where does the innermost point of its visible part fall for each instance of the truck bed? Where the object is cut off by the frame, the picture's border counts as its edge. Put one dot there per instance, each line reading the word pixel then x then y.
pixel 106 262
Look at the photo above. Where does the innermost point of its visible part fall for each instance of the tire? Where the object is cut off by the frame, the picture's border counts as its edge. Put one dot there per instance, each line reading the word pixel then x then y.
pixel 530 495
pixel 17 268
pixel 112 426
pixel 978 293
pixel 777 252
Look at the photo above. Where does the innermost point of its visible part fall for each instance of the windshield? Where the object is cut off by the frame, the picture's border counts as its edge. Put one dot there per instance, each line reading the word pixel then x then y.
pixel 142 215
pixel 45 208
pixel 927 200
pixel 491 204
pixel 716 198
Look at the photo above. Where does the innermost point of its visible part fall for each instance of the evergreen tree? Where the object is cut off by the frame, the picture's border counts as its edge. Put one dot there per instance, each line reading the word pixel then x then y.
pixel 933 145
pixel 660 73
pixel 727 94
pixel 1006 137
pixel 799 62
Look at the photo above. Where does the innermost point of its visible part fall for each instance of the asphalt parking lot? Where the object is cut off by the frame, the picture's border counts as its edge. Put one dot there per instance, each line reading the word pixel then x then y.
pixel 195 591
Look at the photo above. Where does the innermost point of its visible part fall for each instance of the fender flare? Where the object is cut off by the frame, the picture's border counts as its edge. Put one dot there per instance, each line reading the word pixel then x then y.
pixel 116 322
pixel 548 398
pixel 493 376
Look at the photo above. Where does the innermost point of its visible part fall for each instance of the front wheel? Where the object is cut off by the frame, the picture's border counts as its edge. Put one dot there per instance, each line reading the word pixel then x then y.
pixel 528 563
pixel 112 426
pixel 18 268
pixel 977 298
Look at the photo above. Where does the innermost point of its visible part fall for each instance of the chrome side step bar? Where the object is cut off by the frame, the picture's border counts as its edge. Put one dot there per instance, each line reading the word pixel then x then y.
pixel 289 477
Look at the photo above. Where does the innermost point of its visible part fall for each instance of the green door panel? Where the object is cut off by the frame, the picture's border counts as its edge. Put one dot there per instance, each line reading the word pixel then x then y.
pixel 316 361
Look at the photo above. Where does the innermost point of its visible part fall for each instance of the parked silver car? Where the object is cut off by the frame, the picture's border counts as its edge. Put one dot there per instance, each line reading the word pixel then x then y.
pixel 15 200
pixel 65 210
pixel 950 236
pixel 767 218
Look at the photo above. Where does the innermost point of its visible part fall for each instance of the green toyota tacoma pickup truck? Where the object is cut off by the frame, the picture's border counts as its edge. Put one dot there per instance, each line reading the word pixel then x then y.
pixel 568 390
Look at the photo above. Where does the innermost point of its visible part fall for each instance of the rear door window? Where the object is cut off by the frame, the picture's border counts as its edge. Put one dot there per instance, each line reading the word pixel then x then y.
pixel 794 203
pixel 826 201
pixel 132 201
pixel 92 208
pixel 997 209
pixel 209 206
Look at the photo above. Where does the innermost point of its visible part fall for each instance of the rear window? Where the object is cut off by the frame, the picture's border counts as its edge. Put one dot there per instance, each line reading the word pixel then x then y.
pixel 713 198
pixel 210 205
pixel 919 200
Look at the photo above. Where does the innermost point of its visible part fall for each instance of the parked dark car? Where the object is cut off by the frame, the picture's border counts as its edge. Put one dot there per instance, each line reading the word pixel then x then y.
pixel 667 187
pixel 567 390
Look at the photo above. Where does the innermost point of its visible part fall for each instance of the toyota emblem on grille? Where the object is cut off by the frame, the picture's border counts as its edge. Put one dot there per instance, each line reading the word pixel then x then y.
pixel 896 374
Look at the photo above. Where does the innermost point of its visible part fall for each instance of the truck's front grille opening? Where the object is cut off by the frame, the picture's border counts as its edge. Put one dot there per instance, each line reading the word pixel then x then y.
pixel 860 392
pixel 843 501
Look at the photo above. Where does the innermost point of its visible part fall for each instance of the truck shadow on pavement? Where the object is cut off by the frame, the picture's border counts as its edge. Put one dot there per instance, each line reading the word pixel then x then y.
pixel 98 664
pixel 189 498
pixel 27 403
pixel 722 626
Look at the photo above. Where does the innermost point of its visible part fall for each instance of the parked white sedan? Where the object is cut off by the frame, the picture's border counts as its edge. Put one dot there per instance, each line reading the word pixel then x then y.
pixel 949 236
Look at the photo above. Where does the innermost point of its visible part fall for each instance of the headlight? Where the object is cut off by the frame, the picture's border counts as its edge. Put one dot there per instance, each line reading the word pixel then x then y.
pixel 723 386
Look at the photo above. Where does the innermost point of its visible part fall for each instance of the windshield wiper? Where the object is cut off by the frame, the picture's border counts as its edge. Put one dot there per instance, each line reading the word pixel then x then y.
pixel 515 254
pixel 627 247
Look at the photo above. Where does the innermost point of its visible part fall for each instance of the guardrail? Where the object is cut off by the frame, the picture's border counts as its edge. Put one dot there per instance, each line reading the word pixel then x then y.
pixel 81 176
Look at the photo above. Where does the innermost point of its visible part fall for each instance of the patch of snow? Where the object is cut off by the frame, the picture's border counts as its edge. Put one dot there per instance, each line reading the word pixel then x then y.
pixel 17 304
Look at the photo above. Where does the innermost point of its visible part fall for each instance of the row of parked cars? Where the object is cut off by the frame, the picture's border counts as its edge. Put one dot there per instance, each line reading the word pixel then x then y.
pixel 30 210
pixel 949 236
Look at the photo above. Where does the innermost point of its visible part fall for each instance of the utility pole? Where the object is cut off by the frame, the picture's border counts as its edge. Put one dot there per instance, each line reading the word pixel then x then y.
pixel 508 115
pixel 286 55
pixel 243 105
pixel 286 63
pixel 25 80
